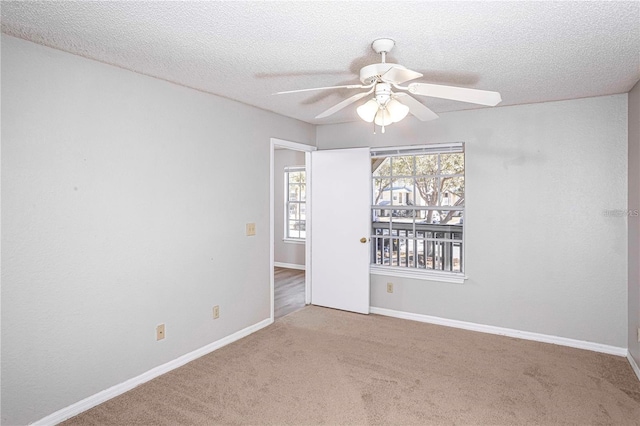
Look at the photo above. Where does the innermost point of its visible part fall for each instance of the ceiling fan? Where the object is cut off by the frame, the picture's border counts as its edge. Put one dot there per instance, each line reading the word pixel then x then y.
pixel 388 106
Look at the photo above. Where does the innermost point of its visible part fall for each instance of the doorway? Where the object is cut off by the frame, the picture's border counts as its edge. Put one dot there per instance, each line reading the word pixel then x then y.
pixel 289 227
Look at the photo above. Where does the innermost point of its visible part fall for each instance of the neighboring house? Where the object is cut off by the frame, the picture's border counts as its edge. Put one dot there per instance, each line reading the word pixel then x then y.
pixel 407 196
pixel 402 196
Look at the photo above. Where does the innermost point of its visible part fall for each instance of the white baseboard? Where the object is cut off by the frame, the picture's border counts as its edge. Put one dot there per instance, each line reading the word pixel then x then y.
pixel 289 266
pixel 546 338
pixel 634 365
pixel 100 397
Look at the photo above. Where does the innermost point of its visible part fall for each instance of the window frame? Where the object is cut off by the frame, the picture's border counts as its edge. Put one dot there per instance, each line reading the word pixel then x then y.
pixel 287 238
pixel 414 272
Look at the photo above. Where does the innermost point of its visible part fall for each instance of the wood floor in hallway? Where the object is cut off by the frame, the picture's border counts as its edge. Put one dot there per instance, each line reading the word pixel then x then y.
pixel 289 291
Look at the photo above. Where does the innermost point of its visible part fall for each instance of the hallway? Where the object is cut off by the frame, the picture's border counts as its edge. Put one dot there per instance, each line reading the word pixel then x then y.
pixel 289 291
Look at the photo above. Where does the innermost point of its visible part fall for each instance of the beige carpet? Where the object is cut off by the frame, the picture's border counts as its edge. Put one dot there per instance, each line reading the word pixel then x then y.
pixel 322 366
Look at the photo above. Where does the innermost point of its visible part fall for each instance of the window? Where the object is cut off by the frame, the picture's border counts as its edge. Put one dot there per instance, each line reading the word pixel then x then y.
pixel 295 203
pixel 418 211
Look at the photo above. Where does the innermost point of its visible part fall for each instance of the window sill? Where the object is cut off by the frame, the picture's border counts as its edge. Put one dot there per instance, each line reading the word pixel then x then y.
pixel 293 241
pixel 447 277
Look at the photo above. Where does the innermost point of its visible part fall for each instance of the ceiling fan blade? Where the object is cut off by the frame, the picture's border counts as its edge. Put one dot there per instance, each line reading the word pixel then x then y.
pixel 349 86
pixel 474 96
pixel 416 108
pixel 399 75
pixel 343 104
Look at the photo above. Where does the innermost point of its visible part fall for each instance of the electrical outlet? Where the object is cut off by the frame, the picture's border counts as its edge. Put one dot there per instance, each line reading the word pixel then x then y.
pixel 160 332
pixel 251 229
pixel 389 287
pixel 638 334
pixel 216 312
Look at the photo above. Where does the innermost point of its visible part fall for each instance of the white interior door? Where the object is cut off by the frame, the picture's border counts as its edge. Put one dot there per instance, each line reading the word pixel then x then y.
pixel 340 209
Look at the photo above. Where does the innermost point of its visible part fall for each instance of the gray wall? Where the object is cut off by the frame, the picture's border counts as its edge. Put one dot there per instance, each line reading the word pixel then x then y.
pixel 124 200
pixel 634 221
pixel 116 193
pixel 284 252
pixel 541 255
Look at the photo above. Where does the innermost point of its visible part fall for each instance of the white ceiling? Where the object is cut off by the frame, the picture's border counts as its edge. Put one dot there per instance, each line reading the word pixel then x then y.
pixel 528 51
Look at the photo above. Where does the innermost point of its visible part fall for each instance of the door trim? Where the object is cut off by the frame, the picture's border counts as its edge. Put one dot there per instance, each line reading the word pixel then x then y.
pixel 307 149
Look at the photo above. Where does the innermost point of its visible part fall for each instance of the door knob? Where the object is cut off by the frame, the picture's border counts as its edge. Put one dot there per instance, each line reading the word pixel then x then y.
pixel 363 240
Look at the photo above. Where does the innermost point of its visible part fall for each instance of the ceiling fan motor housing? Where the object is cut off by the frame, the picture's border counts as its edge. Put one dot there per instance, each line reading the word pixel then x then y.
pixel 383 93
pixel 372 73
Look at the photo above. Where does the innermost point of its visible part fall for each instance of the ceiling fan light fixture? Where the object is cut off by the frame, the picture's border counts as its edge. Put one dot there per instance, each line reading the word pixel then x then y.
pixel 368 110
pixel 397 110
pixel 383 118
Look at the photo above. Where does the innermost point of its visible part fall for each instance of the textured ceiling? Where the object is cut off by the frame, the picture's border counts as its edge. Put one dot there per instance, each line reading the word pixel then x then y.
pixel 528 51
